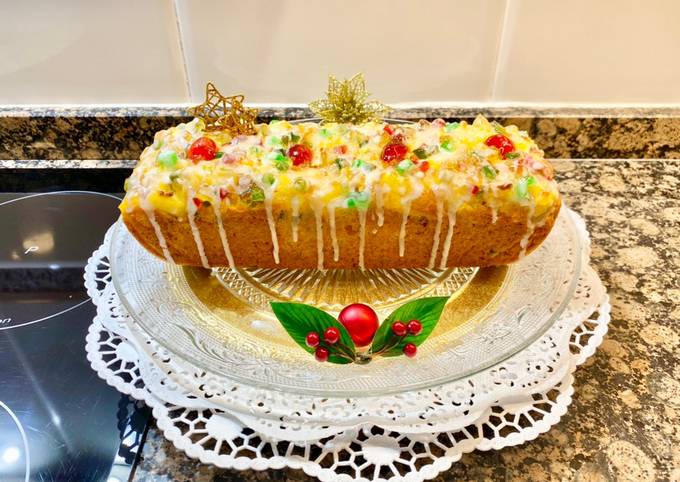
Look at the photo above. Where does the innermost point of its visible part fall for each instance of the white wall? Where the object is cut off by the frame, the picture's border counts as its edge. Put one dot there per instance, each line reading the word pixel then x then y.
pixel 280 51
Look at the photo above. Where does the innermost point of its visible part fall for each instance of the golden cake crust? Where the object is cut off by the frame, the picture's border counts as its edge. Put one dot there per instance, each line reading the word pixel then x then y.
pixel 477 241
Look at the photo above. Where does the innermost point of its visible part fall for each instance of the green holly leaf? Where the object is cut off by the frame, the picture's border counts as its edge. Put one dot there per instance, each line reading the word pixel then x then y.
pixel 425 310
pixel 299 319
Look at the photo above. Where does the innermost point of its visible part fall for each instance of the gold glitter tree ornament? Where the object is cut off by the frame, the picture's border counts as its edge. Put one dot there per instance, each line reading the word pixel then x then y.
pixel 225 113
pixel 346 101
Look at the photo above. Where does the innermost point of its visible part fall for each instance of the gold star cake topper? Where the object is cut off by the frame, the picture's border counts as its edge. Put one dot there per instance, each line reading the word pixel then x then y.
pixel 225 113
pixel 347 101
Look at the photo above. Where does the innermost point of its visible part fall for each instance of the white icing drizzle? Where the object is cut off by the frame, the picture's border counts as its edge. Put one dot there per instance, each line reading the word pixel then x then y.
pixel 453 208
pixel 379 208
pixel 362 237
pixel 334 237
pixel 524 242
pixel 295 217
pixel 191 210
pixel 402 230
pixel 220 227
pixel 272 226
pixel 318 211
pixel 149 210
pixel 437 232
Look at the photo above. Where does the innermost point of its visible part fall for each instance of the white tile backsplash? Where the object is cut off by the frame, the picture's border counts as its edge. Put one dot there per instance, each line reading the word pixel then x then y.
pixel 283 51
pixel 90 51
pixel 584 51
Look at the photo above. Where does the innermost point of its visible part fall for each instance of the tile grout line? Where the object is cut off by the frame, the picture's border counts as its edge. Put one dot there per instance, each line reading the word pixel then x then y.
pixel 182 50
pixel 500 49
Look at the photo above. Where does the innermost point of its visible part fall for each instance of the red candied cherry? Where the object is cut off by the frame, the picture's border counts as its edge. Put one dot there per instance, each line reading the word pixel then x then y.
pixel 300 154
pixel 500 142
pixel 197 202
pixel 223 193
pixel 312 339
pixel 474 189
pixel 398 328
pixel 424 166
pixel 414 327
pixel 394 153
pixel 321 354
pixel 360 321
pixel 331 335
pixel 410 350
pixel 202 149
pixel 389 130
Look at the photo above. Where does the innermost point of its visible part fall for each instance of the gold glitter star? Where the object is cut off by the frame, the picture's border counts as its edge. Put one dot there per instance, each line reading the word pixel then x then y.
pixel 346 101
pixel 225 113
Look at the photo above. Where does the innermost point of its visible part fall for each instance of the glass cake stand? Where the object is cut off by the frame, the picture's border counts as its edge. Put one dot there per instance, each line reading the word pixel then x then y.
pixel 220 319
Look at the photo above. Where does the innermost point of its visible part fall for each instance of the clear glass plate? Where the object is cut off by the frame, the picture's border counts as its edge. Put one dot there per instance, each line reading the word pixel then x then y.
pixel 201 316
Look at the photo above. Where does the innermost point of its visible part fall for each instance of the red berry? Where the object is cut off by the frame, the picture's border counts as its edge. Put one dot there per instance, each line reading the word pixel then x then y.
pixel 202 149
pixel 197 202
pixel 360 321
pixel 300 154
pixel 321 354
pixel 341 149
pixel 410 350
pixel 424 166
pixel 502 143
pixel 398 328
pixel 331 335
pixel 394 153
pixel 388 129
pixel 474 189
pixel 223 193
pixel 312 340
pixel 414 327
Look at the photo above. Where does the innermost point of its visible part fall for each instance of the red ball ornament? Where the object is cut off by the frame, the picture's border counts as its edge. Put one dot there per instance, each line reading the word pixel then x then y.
pixel 331 335
pixel 312 340
pixel 300 154
pixel 414 327
pixel 500 142
pixel 398 328
pixel 321 354
pixel 360 321
pixel 202 149
pixel 410 350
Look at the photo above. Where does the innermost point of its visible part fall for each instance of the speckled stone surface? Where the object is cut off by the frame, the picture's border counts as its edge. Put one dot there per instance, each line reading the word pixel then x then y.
pixel 122 132
pixel 624 422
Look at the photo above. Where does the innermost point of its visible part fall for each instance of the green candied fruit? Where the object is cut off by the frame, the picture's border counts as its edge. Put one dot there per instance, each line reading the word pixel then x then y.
pixel 282 164
pixel 363 165
pixel 274 141
pixel 512 155
pixel 404 166
pixel 168 159
pixel 219 154
pixel 285 141
pixel 300 184
pixel 256 195
pixel 451 126
pixel 358 200
pixel 522 187
pixel 489 172
pixel 420 153
pixel 294 138
pixel 447 145
pixel 325 132
pixel 340 162
pixel 268 178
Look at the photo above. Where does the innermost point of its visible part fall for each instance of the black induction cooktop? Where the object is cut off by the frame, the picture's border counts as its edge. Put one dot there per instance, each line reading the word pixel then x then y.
pixel 58 420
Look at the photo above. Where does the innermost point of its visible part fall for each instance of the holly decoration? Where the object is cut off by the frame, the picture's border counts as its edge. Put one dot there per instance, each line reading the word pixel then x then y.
pixel 336 340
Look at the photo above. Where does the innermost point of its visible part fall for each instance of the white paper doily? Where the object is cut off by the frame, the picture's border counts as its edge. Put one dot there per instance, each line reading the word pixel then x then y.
pixel 410 436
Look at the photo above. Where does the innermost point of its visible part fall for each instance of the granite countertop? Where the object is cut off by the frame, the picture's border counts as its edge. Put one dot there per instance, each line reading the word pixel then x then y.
pixel 624 421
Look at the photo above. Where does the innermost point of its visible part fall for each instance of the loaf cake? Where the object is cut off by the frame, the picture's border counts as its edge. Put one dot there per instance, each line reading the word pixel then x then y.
pixel 334 195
